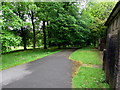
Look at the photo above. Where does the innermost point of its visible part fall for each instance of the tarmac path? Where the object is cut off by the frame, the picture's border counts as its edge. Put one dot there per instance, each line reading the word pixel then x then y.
pixel 53 71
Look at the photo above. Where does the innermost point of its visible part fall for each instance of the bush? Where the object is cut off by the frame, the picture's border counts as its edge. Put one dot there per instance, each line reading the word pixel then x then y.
pixel 8 39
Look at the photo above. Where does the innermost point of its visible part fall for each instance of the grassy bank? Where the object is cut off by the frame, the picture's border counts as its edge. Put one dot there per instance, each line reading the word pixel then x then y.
pixel 87 75
pixel 21 57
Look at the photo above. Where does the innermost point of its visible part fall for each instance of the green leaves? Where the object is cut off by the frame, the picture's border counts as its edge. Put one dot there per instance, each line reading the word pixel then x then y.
pixel 10 19
pixel 33 7
pixel 65 24
pixel 9 40
pixel 92 20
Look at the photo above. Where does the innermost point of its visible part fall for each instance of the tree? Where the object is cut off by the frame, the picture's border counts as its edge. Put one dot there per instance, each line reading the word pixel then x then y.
pixel 93 18
pixel 33 9
pixel 55 23
pixel 9 22
pixel 8 40
pixel 17 15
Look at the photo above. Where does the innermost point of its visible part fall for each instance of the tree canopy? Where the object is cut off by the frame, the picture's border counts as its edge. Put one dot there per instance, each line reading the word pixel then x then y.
pixel 53 23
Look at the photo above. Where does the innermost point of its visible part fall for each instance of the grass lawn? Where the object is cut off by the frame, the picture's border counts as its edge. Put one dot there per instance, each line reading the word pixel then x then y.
pixel 21 57
pixel 86 56
pixel 88 76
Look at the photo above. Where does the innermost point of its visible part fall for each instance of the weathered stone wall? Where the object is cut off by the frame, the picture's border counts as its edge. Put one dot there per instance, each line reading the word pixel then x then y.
pixel 118 67
pixel 111 60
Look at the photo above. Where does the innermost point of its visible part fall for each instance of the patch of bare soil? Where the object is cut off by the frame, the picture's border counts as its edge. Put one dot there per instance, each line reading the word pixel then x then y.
pixel 75 67
pixel 95 66
pixel 77 64
pixel 101 55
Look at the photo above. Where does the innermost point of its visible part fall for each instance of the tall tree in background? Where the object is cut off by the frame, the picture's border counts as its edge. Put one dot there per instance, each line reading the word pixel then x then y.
pixel 54 23
pixel 33 10
pixel 10 21
pixel 18 9
pixel 94 17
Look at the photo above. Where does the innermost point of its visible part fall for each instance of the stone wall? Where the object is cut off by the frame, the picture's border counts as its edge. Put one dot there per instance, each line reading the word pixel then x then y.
pixel 111 60
pixel 118 73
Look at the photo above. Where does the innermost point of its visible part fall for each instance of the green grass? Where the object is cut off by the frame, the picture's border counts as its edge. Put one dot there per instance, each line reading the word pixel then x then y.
pixel 88 76
pixel 86 56
pixel 21 57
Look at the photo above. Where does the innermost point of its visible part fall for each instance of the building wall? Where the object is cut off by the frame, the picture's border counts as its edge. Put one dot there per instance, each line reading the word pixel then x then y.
pixel 118 73
pixel 112 53
pixel 114 25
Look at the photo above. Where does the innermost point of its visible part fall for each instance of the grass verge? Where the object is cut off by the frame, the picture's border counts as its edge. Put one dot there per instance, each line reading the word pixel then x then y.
pixel 21 57
pixel 88 76
pixel 86 56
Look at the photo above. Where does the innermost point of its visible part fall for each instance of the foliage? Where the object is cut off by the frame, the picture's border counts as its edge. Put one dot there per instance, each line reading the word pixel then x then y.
pixel 9 18
pixel 65 22
pixel 12 21
pixel 93 18
pixel 8 39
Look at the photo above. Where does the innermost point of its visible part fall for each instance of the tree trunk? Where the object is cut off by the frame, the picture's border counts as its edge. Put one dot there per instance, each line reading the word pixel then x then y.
pixel 94 42
pixel 23 38
pixel 44 35
pixel 64 46
pixel 22 31
pixel 59 46
pixel 49 36
pixel 34 37
pixel 88 42
pixel 25 48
